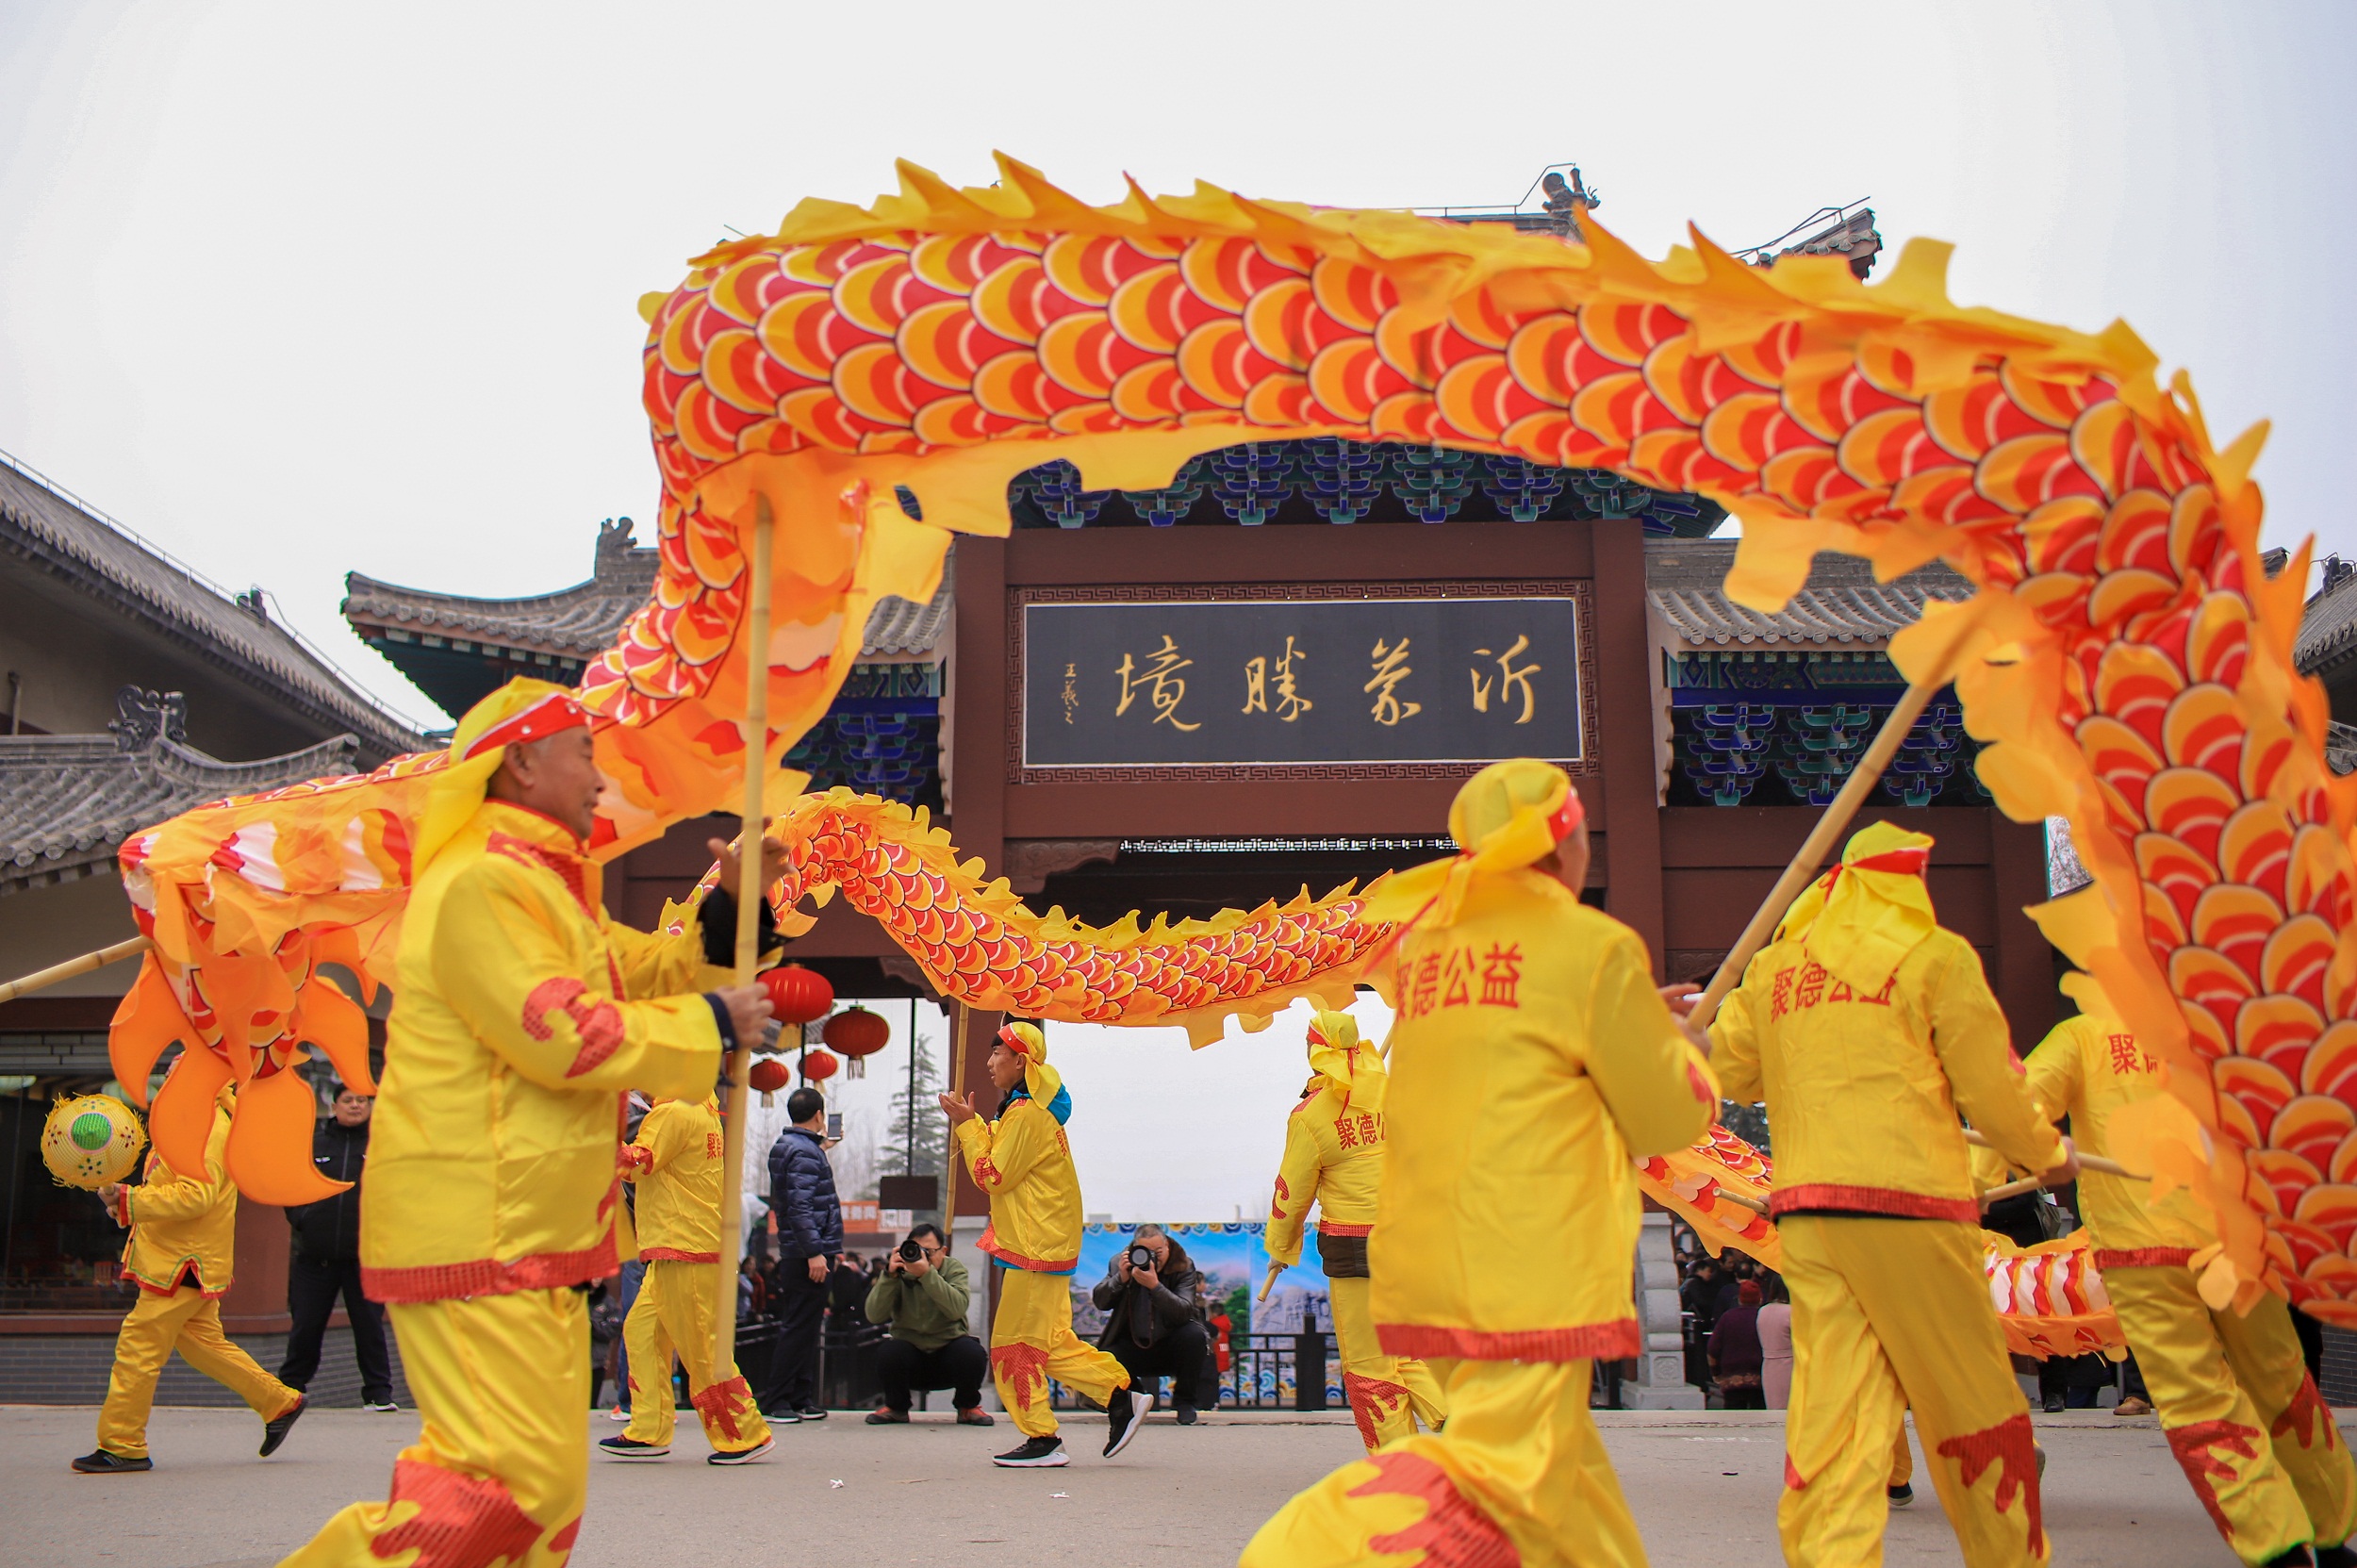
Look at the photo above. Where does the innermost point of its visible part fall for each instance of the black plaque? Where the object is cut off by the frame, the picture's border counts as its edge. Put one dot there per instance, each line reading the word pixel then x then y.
pixel 1308 683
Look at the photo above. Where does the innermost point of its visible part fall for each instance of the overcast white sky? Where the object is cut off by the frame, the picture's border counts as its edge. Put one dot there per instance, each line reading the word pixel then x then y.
pixel 295 289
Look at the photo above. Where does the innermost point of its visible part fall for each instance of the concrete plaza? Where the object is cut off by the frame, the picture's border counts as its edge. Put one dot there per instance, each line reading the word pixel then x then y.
pixel 847 1496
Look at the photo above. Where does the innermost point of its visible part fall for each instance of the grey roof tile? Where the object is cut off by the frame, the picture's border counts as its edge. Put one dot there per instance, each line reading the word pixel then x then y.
pixel 38 522
pixel 1841 605
pixel 67 803
pixel 2328 628
pixel 580 621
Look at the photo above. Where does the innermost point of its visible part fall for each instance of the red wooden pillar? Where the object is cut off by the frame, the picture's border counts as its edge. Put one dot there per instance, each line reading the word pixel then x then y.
pixel 1632 860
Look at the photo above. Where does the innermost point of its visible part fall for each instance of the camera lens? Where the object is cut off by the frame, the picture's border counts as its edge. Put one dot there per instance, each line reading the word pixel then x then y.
pixel 912 1249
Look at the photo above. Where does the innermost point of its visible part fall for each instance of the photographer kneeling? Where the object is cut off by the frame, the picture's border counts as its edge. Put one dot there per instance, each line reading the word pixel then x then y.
pixel 922 1297
pixel 1152 1299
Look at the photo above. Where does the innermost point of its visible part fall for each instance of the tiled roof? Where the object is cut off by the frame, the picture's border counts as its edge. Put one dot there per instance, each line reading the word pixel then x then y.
pixel 1841 605
pixel 580 622
pixel 2327 629
pixel 50 530
pixel 67 803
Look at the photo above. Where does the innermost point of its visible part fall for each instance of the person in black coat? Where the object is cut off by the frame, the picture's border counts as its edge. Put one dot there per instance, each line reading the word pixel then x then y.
pixel 810 1237
pixel 327 1260
pixel 1157 1324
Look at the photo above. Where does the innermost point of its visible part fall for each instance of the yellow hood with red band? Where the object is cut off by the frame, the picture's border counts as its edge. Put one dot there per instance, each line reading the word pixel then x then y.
pixel 1506 817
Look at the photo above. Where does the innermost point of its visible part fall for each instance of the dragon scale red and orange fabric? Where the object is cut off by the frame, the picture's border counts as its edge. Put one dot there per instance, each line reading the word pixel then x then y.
pixel 2126 657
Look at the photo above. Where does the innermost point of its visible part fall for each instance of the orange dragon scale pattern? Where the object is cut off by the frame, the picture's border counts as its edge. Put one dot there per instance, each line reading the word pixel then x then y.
pixel 2125 658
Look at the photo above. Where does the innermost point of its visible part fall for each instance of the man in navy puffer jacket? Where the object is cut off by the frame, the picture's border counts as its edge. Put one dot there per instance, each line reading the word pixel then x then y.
pixel 810 1236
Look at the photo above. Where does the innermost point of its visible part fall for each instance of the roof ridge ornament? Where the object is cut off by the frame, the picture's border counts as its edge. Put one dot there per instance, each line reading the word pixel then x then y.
pixel 142 716
pixel 616 541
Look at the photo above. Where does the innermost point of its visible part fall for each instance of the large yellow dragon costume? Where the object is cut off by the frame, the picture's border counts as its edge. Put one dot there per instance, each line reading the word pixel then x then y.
pixel 2126 655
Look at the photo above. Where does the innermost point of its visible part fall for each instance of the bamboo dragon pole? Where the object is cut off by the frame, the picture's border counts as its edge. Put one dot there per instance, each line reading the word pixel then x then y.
pixel 1820 843
pixel 39 978
pixel 750 891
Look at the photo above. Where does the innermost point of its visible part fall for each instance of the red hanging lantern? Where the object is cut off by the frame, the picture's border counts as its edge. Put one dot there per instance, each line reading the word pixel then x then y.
pixel 857 1032
pixel 817 1065
pixel 768 1076
pixel 797 995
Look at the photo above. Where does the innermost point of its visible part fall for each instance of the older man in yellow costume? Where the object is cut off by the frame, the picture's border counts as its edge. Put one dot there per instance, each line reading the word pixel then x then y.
pixel 1334 1158
pixel 676 1165
pixel 1532 1058
pixel 180 1254
pixel 1022 1162
pixel 522 1018
pixel 2243 1418
pixel 1866 1027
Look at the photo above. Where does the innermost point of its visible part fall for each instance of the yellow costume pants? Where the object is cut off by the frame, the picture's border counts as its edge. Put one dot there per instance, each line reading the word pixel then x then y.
pixel 1519 1477
pixel 2244 1420
pixel 1888 1313
pixel 190 1322
pixel 1388 1393
pixel 673 1314
pixel 501 1462
pixel 1031 1340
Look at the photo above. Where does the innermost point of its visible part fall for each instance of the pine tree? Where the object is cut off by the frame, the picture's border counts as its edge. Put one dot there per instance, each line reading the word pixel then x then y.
pixel 916 1141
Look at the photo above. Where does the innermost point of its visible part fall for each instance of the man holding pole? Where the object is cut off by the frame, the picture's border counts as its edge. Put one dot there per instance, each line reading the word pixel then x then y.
pixel 2243 1418
pixel 1532 1058
pixel 523 1015
pixel 675 1165
pixel 1866 1027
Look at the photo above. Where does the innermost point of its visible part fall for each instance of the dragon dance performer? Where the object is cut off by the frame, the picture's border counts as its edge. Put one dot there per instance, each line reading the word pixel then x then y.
pixel 181 1253
pixel 2242 1415
pixel 521 1017
pixel 1531 1058
pixel 1865 1026
pixel 675 1163
pixel 1334 1158
pixel 1022 1160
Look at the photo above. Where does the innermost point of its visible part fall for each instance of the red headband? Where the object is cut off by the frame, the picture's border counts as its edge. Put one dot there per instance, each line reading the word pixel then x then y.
pixel 1909 862
pixel 550 713
pixel 1014 1042
pixel 1570 816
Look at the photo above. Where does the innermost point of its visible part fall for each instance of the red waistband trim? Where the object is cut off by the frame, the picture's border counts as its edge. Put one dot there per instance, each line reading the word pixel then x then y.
pixel 2109 1257
pixel 490 1276
pixel 1333 1228
pixel 1885 1202
pixel 991 1245
pixel 179 1279
pixel 1589 1341
pixel 673 1255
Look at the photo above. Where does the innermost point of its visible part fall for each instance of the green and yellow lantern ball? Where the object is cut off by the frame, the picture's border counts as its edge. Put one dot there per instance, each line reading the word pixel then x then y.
pixel 90 1140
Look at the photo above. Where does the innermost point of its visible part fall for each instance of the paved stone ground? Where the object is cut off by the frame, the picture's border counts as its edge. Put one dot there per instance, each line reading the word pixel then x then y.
pixel 1704 1489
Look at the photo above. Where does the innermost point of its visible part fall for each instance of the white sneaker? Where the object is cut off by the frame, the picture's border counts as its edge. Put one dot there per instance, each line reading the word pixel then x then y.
pixel 619 1412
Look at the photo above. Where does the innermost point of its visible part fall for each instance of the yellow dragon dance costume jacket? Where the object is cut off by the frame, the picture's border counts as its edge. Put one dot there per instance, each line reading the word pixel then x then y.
pixel 521 1017
pixel 514 1041
pixel 185 1224
pixel 1867 1028
pixel 2244 1420
pixel 1530 1060
pixel 1023 1162
pixel 1334 1146
pixel 676 1162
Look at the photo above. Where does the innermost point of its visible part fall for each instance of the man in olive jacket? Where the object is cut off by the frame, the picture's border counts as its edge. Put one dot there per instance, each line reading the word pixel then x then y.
pixel 923 1302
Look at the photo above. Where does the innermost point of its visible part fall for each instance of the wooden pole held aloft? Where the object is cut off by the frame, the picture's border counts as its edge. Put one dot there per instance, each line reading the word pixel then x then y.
pixel 749 893
pixel 41 979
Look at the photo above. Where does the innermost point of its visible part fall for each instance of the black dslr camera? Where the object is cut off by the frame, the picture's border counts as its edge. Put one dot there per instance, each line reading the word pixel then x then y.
pixel 1141 1256
pixel 911 1251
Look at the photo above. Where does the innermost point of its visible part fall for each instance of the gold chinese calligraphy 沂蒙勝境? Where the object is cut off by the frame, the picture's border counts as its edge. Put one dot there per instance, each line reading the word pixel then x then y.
pixel 1166 689
pixel 1290 702
pixel 1509 680
pixel 1391 667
